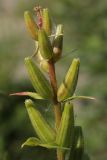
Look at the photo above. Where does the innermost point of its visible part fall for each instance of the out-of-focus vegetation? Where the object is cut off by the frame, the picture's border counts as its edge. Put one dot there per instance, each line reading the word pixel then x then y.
pixel 85 29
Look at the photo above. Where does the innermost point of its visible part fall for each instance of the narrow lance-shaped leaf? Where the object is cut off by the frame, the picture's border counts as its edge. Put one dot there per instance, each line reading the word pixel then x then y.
pixel 30 94
pixel 34 142
pixel 78 98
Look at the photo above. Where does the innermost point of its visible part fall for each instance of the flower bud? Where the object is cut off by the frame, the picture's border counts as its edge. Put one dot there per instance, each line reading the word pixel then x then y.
pixel 31 25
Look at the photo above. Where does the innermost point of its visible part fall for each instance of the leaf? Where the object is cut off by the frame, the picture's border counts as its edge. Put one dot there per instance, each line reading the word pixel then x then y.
pixel 34 142
pixel 78 97
pixel 30 94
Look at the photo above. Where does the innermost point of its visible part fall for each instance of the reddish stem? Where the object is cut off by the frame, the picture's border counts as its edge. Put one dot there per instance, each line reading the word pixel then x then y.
pixel 53 80
pixel 57 105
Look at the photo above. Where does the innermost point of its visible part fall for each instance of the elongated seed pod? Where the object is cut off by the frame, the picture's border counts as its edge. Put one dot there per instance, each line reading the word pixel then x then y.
pixel 44 45
pixel 58 42
pixel 44 131
pixel 77 149
pixel 66 129
pixel 68 86
pixel 39 81
pixel 47 23
pixel 31 25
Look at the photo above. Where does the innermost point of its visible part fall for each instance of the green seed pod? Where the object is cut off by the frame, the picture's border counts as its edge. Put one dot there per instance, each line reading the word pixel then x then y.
pixel 45 45
pixel 41 127
pixel 31 25
pixel 39 81
pixel 77 149
pixel 47 23
pixel 68 86
pixel 66 129
pixel 58 43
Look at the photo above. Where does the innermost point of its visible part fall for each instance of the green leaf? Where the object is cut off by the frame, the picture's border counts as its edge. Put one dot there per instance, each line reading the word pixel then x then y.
pixel 78 97
pixel 30 94
pixel 34 142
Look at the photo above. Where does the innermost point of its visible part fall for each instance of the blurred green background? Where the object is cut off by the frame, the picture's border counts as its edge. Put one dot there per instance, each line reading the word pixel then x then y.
pixel 85 29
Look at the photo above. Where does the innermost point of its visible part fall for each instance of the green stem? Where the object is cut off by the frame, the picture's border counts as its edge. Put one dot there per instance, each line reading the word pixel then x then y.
pixel 57 112
pixel 60 155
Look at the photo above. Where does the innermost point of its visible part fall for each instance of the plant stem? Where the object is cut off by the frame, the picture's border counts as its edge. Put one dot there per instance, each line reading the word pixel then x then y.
pixel 57 112
pixel 53 79
pixel 60 155
pixel 57 105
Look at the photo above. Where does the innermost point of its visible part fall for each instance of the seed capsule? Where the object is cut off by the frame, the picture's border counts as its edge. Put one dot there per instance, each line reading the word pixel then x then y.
pixel 66 129
pixel 68 86
pixel 47 24
pixel 31 25
pixel 39 81
pixel 45 45
pixel 58 42
pixel 41 127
